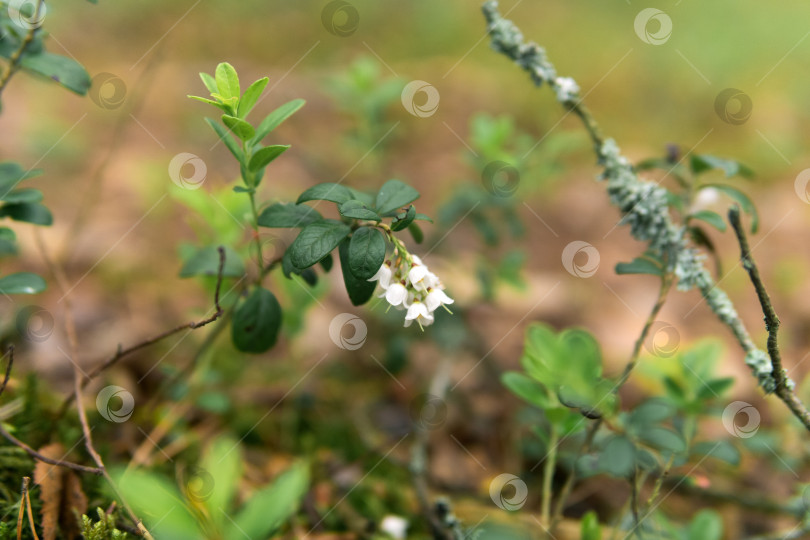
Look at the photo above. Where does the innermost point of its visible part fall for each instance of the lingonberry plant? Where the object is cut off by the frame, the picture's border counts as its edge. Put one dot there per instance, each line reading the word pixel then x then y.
pixel 361 235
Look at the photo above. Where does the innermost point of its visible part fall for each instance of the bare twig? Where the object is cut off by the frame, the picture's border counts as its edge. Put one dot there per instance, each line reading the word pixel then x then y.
pixel 10 354
pixel 16 57
pixel 121 353
pixel 39 457
pixel 784 388
pixel 419 456
pixel 70 329
pixel 27 498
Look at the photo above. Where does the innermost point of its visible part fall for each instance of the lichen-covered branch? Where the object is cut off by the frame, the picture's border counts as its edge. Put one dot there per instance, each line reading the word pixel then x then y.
pixel 643 204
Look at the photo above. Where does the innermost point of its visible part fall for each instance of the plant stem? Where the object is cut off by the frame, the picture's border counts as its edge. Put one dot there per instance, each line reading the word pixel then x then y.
pixel 548 475
pixel 16 57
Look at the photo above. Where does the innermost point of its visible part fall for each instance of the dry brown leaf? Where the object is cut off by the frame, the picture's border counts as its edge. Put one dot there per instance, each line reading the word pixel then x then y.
pixel 49 479
pixel 61 494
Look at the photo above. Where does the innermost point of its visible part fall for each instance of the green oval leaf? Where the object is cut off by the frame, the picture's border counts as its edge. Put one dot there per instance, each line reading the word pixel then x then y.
pixel 316 241
pixel 366 252
pixel 227 81
pixel 663 439
pixel 256 322
pixel 22 283
pixel 228 139
pixel 618 457
pixel 272 506
pixel 357 210
pixel 28 212
pixel 288 215
pixel 742 199
pixel 239 127
pixel 639 265
pixel 712 218
pixel 393 195
pixel 263 157
pixel 359 290
pixel 66 71
pixel 403 219
pixel 275 118
pixel 327 191
pixel 251 96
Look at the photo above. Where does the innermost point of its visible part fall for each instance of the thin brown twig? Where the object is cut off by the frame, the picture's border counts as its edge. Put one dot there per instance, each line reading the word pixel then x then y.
pixel 27 449
pixel 27 497
pixel 70 328
pixel 121 353
pixel 39 457
pixel 783 388
pixel 16 57
pixel 10 354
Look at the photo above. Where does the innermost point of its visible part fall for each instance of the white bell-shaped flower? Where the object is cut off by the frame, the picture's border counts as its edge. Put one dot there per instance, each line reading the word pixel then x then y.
pixel 436 298
pixel 383 275
pixel 396 294
pixel 418 312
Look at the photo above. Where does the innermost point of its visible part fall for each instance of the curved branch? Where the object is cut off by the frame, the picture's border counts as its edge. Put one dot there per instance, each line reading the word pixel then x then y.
pixel 784 386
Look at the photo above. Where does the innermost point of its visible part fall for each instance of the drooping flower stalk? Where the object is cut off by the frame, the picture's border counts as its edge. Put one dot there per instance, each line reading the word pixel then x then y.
pixel 408 284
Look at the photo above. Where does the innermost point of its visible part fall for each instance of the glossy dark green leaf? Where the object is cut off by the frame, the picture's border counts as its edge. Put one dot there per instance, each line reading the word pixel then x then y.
pixel 205 262
pixel 275 118
pixel 228 139
pixel 256 322
pixel 357 210
pixel 712 218
pixel 288 215
pixel 393 195
pixel 316 241
pixel 327 262
pixel 416 233
pixel 366 252
pixel 742 199
pixel 403 219
pixel 22 283
pixel 327 191
pixel 359 290
pixel 28 212
pixel 227 81
pixel 251 96
pixel 62 69
pixel 239 127
pixel 263 157
pixel 639 265
pixel 362 196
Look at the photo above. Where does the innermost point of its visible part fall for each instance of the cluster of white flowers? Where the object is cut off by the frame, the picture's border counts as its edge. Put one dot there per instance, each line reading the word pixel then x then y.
pixel 410 285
